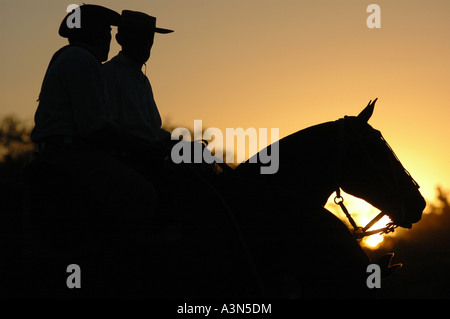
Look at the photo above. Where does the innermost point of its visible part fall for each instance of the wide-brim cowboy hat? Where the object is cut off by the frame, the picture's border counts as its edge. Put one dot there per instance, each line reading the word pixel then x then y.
pixel 88 19
pixel 139 23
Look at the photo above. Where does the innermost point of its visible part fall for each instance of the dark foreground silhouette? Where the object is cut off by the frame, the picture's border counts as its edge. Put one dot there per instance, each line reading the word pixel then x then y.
pixel 239 234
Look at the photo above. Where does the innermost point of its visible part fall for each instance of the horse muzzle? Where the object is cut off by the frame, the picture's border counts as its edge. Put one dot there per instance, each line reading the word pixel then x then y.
pixel 411 212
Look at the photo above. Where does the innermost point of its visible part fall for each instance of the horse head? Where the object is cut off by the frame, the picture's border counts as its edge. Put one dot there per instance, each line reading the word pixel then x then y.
pixel 368 168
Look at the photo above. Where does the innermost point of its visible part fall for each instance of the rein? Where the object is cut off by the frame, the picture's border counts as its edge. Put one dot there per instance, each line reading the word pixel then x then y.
pixel 358 231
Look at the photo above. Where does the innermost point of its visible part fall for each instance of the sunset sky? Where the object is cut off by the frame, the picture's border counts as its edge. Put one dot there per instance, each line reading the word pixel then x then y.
pixel 285 64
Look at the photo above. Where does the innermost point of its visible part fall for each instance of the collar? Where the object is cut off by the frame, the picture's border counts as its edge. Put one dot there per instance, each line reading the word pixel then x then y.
pixel 123 59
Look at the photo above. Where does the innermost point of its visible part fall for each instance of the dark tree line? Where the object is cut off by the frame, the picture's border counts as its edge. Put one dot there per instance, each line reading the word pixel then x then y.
pixel 16 147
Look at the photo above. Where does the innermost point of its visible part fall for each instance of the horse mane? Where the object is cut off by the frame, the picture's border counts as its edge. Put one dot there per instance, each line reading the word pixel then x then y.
pixel 312 135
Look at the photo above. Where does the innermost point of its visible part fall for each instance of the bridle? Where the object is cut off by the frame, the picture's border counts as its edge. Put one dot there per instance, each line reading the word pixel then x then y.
pixel 361 232
pixel 358 231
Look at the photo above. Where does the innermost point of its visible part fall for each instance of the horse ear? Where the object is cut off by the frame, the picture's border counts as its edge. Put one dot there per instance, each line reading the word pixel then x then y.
pixel 365 115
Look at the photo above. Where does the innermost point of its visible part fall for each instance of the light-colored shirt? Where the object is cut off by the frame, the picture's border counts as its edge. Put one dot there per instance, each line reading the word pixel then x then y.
pixel 131 100
pixel 73 97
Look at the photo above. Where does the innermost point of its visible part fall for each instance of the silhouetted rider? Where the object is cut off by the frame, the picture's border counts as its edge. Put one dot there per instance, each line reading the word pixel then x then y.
pixel 73 127
pixel 132 103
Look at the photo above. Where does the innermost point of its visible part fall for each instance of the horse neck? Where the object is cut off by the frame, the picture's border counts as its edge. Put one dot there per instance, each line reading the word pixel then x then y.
pixel 311 162
pixel 316 182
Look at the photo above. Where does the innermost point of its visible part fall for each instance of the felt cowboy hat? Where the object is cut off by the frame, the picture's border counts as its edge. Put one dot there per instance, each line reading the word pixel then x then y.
pixel 139 23
pixel 92 19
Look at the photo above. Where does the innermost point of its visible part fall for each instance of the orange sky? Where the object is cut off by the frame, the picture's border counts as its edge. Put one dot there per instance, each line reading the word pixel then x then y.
pixel 286 64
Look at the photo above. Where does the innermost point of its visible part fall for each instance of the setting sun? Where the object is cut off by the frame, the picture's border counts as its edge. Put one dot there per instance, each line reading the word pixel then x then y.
pixel 373 241
pixel 362 212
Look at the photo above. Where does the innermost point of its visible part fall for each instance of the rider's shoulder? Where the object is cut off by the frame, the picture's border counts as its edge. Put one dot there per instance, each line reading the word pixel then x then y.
pixel 77 55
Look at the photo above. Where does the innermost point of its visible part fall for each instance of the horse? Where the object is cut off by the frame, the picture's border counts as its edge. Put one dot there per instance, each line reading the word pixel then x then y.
pixel 243 234
pixel 309 247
